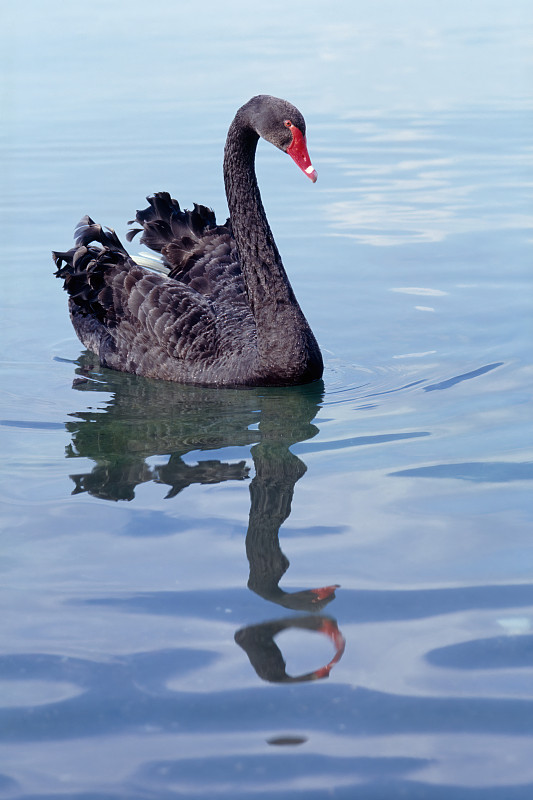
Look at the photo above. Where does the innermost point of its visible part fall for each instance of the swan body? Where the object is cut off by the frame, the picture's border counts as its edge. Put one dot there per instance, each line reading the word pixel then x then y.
pixel 220 310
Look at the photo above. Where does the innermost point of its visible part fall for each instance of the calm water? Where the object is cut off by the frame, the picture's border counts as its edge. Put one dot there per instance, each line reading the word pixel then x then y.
pixel 322 592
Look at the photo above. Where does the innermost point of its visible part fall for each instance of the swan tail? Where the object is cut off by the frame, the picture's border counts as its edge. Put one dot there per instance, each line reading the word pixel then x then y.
pixel 88 231
pixel 180 236
pixel 132 318
pixel 87 267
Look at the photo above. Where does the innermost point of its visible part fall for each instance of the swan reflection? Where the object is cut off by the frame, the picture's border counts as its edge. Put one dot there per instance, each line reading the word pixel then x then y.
pixel 143 418
pixel 266 657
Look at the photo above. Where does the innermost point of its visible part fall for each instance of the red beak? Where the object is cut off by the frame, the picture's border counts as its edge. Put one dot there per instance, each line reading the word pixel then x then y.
pixel 298 152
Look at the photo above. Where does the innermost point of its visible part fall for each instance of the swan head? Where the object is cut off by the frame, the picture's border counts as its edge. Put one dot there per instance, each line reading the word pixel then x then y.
pixel 280 123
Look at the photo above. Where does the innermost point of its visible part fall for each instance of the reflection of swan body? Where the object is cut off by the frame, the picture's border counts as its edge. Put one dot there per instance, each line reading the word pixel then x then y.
pixel 224 312
pixel 144 418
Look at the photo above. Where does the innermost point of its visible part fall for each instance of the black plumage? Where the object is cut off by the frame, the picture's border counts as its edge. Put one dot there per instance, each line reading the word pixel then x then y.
pixel 224 314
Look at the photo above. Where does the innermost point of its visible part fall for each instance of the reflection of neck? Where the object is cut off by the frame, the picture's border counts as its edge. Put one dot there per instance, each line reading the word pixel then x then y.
pixel 267 659
pixel 271 491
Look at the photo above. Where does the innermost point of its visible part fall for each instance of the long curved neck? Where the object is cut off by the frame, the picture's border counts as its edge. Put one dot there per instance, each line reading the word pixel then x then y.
pixel 264 274
pixel 284 340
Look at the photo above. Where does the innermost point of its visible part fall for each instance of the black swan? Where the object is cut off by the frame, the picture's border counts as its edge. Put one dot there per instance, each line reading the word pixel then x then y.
pixel 223 313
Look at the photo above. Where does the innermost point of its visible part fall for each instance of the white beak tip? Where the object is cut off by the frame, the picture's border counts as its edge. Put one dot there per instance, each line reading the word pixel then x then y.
pixel 311 173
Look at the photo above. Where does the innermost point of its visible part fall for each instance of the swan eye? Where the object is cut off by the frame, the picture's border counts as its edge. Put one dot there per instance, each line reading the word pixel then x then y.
pixel 288 123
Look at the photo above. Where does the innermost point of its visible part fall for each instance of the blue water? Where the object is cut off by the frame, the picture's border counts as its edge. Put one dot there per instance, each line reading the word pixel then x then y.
pixel 320 592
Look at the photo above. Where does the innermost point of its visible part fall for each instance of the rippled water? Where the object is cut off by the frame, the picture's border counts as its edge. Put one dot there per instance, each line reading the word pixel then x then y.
pixel 289 593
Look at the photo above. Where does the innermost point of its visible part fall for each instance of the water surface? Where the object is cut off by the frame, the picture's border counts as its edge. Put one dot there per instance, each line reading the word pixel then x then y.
pixel 315 592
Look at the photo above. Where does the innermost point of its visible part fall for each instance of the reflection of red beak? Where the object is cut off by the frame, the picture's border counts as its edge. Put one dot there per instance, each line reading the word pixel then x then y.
pixel 298 152
pixel 329 627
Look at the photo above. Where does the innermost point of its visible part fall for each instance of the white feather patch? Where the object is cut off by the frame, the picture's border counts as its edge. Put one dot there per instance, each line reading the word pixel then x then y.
pixel 152 262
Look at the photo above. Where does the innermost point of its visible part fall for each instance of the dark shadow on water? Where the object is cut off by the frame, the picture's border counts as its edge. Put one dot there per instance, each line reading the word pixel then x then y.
pixel 466 376
pixel 475 471
pixel 499 652
pixel 131 693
